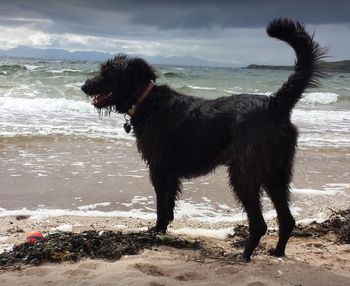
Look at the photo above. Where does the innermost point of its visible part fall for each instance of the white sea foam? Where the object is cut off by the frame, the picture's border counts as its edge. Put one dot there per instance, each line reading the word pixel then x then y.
pixel 238 90
pixel 3 238
pixel 308 98
pixel 5 247
pixel 319 217
pixel 52 116
pixel 314 192
pixel 323 127
pixel 63 228
pixel 45 213
pixel 184 209
pixel 213 233
pixel 64 70
pixel 48 116
pixel 330 189
pixel 202 87
pixel 94 206
pixel 33 67
pixel 37 105
pixel 319 98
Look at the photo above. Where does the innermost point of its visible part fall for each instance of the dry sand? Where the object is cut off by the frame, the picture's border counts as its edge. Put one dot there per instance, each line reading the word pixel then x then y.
pixel 309 261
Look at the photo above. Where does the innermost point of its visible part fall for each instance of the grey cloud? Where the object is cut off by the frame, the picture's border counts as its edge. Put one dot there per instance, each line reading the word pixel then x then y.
pixel 219 30
pixel 115 17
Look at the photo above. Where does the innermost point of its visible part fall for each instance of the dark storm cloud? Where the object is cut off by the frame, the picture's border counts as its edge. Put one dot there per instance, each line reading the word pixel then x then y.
pixel 221 31
pixel 125 17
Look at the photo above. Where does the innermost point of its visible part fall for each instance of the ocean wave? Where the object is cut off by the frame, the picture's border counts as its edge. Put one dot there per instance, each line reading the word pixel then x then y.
pixel 7 69
pixel 322 128
pixel 239 90
pixel 12 67
pixel 69 72
pixel 37 105
pixel 185 209
pixel 310 98
pixel 57 116
pixel 174 74
pixel 327 118
pixel 65 71
pixel 319 98
pixel 33 67
pixel 200 87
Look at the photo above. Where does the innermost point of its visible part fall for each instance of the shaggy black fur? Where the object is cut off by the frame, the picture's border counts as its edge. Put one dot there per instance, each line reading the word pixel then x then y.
pixel 181 136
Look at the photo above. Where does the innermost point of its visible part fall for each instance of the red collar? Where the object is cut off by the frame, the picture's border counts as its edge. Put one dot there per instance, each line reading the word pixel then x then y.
pixel 145 93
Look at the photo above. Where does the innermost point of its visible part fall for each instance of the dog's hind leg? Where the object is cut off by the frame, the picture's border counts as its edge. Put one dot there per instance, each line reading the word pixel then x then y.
pixel 249 196
pixel 278 190
pixel 167 189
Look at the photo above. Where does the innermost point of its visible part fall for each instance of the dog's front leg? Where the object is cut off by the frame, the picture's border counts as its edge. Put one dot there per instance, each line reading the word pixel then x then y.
pixel 167 188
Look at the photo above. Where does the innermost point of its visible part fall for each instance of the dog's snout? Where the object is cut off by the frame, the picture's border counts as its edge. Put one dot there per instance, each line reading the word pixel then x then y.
pixel 85 86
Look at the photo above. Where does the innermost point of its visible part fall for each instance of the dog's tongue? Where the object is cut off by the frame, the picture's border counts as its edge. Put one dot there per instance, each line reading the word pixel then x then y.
pixel 101 101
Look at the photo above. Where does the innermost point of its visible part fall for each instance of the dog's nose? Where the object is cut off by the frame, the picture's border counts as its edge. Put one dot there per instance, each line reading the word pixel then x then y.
pixel 84 87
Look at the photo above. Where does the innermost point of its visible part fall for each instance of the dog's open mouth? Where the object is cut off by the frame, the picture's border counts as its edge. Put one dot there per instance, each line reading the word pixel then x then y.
pixel 102 100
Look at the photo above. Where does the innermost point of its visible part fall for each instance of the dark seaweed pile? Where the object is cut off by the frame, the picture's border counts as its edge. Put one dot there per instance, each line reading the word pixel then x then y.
pixel 68 246
pixel 338 224
pixel 109 245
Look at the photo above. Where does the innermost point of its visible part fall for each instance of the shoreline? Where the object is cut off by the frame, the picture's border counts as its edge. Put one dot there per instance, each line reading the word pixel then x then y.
pixel 107 177
pixel 73 176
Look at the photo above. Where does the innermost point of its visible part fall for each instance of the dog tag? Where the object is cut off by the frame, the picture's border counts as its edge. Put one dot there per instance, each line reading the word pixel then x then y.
pixel 127 127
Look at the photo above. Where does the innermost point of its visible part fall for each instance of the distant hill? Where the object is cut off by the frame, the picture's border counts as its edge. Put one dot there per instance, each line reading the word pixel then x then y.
pixel 266 67
pixel 28 52
pixel 339 66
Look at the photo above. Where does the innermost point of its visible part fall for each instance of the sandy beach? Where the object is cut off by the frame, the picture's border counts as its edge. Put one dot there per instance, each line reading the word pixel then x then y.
pixel 74 185
pixel 309 261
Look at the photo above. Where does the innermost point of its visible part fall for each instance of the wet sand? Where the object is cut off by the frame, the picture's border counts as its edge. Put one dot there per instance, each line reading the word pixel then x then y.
pixel 106 175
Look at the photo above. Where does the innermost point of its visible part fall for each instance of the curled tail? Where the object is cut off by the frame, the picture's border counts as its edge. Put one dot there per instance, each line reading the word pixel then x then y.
pixel 306 68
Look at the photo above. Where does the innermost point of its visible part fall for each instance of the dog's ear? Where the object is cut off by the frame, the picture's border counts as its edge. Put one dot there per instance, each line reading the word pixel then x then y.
pixel 129 77
pixel 142 70
pixel 114 71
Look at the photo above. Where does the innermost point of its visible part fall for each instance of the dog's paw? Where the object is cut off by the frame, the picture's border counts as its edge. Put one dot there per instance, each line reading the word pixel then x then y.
pixel 240 257
pixel 157 229
pixel 276 252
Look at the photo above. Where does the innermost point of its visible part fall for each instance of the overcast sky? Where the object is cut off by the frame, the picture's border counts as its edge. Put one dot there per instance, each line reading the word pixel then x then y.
pixel 231 32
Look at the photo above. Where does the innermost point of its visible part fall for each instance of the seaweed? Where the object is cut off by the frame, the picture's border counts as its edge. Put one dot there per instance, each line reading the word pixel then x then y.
pixel 68 246
pixel 111 246
pixel 338 224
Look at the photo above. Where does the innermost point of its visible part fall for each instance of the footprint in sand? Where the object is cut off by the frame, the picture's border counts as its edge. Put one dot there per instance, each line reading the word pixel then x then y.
pixel 149 269
pixel 256 283
pixel 41 272
pixel 156 284
pixel 77 272
pixel 153 270
pixel 227 270
pixel 189 276
pixel 90 265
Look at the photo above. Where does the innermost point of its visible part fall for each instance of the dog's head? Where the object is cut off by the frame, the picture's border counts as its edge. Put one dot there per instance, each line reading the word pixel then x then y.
pixel 120 82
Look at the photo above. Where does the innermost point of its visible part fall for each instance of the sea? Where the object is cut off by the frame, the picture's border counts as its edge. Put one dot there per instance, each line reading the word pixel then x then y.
pixel 61 156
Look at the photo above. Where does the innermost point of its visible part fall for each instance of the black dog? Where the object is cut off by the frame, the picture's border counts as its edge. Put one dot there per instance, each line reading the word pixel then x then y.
pixel 181 136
